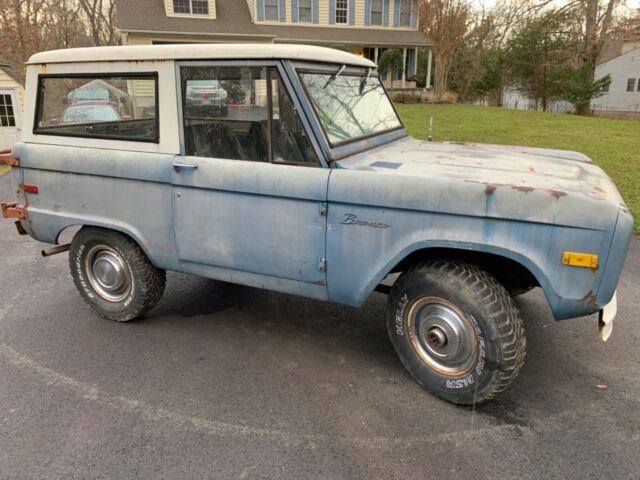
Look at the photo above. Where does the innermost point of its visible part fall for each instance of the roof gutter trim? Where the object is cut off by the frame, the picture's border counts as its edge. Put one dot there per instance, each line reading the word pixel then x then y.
pixel 207 34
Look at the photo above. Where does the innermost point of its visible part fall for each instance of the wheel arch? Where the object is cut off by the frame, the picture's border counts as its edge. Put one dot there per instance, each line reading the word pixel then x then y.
pixel 493 259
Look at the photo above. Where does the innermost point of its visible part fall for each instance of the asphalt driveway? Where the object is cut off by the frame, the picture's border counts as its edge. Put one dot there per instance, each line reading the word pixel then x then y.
pixel 223 381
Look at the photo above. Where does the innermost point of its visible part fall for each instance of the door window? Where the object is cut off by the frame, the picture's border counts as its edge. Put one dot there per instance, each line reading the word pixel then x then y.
pixel 242 113
pixel 7 115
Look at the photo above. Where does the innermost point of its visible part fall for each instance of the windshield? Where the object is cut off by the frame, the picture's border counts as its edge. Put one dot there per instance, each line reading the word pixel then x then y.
pixel 350 106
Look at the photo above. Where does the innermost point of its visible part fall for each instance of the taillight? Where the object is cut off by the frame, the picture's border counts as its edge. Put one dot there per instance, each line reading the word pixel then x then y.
pixel 30 188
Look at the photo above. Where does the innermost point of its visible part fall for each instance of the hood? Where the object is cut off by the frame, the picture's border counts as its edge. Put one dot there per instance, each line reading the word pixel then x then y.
pixel 558 173
pixel 516 183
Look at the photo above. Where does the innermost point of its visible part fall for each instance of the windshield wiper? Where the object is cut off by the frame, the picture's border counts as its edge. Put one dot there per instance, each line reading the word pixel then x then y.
pixel 364 81
pixel 334 76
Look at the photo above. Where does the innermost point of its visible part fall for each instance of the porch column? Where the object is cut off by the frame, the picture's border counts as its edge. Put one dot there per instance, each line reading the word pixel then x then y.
pixel 429 60
pixel 404 67
pixel 375 56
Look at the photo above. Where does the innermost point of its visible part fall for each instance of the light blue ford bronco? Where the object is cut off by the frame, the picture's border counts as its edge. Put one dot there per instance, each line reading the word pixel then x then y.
pixel 291 171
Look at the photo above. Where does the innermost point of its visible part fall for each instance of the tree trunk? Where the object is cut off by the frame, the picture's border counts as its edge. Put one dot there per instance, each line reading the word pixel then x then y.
pixel 441 77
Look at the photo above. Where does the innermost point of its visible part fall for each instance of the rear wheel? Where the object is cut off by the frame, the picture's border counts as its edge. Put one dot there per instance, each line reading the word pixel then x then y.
pixel 456 330
pixel 113 275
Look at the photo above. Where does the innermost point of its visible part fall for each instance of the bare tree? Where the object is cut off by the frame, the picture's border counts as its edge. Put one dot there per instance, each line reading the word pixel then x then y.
pixel 100 18
pixel 598 18
pixel 445 22
pixel 30 26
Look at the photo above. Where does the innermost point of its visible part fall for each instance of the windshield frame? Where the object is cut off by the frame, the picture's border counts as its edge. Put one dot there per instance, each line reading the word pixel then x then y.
pixel 352 71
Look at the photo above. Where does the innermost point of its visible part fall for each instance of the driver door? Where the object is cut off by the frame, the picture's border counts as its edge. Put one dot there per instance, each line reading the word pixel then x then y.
pixel 249 190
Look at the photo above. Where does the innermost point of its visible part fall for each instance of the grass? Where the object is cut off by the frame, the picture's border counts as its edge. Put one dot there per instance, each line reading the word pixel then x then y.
pixel 612 144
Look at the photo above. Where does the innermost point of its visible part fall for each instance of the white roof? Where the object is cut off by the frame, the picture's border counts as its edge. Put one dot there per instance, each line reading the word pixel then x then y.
pixel 200 52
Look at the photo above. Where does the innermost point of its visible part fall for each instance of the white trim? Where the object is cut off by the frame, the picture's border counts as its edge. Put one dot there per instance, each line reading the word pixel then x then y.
pixel 202 34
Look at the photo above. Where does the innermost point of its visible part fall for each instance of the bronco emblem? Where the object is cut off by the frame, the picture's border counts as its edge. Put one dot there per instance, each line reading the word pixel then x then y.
pixel 351 219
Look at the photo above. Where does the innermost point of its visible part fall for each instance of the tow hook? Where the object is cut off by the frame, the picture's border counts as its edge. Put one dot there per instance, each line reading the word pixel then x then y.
pixel 47 252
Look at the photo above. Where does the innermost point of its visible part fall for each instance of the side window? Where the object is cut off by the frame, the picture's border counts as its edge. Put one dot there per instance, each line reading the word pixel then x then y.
pixel 289 140
pixel 226 112
pixel 242 113
pixel 112 107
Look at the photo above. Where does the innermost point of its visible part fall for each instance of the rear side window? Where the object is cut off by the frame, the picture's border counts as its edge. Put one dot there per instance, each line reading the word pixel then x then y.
pixel 122 107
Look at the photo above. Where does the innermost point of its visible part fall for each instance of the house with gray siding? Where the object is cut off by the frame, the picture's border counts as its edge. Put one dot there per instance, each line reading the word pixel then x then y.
pixel 365 27
pixel 623 95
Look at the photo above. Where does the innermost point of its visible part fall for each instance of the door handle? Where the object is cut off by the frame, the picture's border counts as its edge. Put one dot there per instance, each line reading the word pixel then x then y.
pixel 187 166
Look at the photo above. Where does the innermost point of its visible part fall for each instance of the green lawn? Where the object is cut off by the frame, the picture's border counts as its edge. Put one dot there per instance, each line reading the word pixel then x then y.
pixel 613 144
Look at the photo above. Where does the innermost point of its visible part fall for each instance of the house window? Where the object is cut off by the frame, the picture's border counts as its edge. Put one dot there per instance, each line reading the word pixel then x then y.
pixel 304 11
pixel 195 7
pixel 7 116
pixel 271 10
pixel 342 8
pixel 376 12
pixel 405 13
pixel 631 85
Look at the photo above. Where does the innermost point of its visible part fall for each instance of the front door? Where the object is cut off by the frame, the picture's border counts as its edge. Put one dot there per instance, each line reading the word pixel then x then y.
pixel 249 190
pixel 9 118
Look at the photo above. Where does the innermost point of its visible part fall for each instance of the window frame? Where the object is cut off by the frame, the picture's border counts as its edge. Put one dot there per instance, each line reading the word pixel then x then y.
pixel 381 13
pixel 190 12
pixel 349 71
pixel 105 75
pixel 310 12
pixel 270 65
pixel 633 86
pixel 346 12
pixel 264 12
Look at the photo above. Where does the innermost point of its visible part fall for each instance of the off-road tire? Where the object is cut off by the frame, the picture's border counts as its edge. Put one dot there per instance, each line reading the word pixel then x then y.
pixel 146 281
pixel 486 309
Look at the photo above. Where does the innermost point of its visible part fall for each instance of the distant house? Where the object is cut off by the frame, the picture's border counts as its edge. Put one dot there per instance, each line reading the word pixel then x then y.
pixel 364 27
pixel 517 100
pixel 11 100
pixel 623 96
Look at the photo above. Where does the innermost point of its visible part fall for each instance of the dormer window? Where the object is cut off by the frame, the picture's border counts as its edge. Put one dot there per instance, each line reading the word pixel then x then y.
pixel 193 7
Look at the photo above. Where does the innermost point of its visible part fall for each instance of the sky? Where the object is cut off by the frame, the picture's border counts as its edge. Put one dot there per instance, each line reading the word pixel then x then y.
pixel 488 3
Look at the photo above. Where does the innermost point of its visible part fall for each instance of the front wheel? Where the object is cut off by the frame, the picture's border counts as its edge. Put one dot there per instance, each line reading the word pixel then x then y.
pixel 113 274
pixel 456 330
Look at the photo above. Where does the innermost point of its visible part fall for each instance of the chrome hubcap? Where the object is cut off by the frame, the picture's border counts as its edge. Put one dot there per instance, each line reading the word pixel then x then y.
pixel 107 273
pixel 443 335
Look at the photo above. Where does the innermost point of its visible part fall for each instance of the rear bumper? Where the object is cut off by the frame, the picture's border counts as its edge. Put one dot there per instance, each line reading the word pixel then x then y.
pixel 606 317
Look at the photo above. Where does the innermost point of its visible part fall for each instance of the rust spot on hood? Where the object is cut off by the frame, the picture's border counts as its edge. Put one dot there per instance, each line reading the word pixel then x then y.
pixel 523 189
pixel 557 194
pixel 489 190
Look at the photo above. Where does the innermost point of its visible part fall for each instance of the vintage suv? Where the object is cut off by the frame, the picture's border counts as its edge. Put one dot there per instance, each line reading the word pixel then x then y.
pixel 307 183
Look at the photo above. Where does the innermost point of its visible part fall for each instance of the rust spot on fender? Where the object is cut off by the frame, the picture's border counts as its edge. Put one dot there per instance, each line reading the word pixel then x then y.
pixel 591 300
pixel 523 189
pixel 532 170
pixel 490 190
